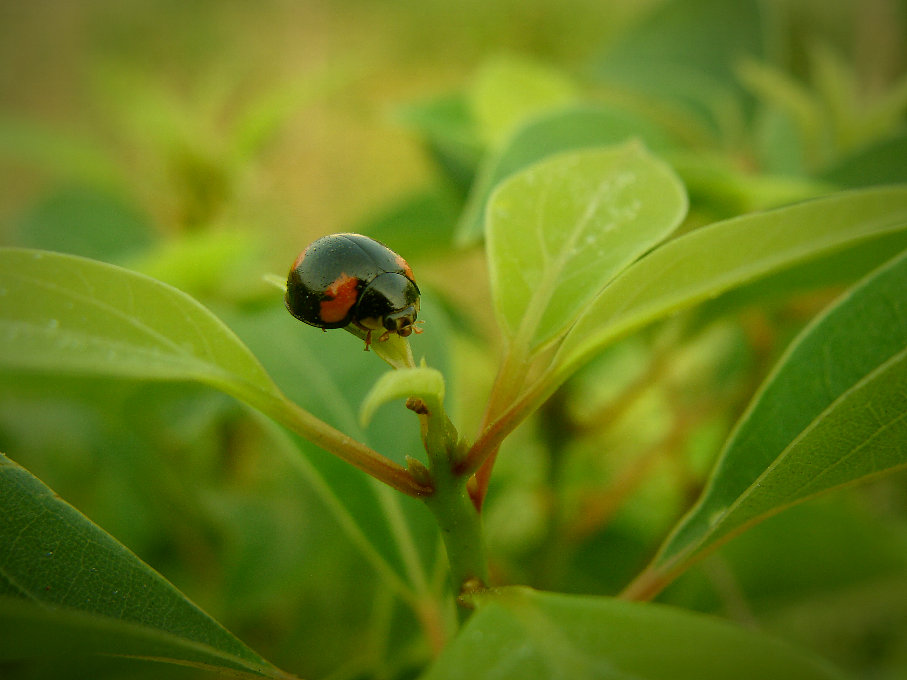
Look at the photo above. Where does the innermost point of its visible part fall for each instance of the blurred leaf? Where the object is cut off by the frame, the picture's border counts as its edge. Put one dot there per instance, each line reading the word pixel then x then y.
pixel 573 128
pixel 719 186
pixel 520 633
pixel 449 131
pixel 87 222
pixel 831 413
pixel 784 96
pixel 423 222
pixel 207 263
pixel 66 155
pixel 424 383
pixel 559 231
pixel 82 592
pixel 709 261
pixel 880 163
pixel 261 119
pixel 509 90
pixel 684 55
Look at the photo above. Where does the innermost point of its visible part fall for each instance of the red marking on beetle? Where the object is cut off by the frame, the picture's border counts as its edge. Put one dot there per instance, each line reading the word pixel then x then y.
pixel 342 296
pixel 300 258
pixel 404 265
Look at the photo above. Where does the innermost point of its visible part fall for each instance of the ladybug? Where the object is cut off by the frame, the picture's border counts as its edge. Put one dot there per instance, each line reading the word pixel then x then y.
pixel 345 279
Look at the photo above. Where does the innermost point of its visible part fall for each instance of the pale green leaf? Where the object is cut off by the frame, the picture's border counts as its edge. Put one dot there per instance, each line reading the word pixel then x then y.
pixel 712 260
pixel 69 587
pixel 520 633
pixel 576 127
pixel 425 383
pixel 508 91
pixel 560 230
pixel 831 413
pixel 65 313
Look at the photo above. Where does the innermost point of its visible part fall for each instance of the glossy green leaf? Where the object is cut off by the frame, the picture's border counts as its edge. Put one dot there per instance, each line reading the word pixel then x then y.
pixel 425 383
pixel 560 230
pixel 520 633
pixel 709 261
pixel 831 413
pixel 66 313
pixel 68 583
pixel 569 129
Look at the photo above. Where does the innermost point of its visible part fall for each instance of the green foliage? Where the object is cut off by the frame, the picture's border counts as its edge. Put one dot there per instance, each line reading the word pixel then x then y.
pixel 663 314
pixel 559 231
pixel 103 599
pixel 831 413
pixel 707 262
pixel 528 634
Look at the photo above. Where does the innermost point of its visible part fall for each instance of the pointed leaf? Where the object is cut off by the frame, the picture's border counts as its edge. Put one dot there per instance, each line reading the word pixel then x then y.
pixel 576 127
pixel 714 259
pixel 66 313
pixel 831 413
pixel 560 230
pixel 507 91
pixel 80 588
pixel 520 633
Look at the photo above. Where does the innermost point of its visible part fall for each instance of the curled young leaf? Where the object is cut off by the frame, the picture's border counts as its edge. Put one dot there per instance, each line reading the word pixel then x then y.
pixel 424 383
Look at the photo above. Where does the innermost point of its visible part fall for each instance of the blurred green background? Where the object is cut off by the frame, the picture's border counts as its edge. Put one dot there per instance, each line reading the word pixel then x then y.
pixel 205 143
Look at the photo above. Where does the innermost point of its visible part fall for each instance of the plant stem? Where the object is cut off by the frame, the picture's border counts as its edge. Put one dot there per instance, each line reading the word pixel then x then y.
pixel 458 518
pixel 287 413
pixel 461 531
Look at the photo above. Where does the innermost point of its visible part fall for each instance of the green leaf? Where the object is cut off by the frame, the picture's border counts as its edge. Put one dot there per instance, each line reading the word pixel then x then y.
pixel 425 383
pixel 509 90
pixel 66 313
pixel 831 413
pixel 879 163
pixel 520 633
pixel 709 261
pixel 559 231
pixel 67 155
pixel 69 314
pixel 83 591
pixel 85 221
pixel 684 55
pixel 576 127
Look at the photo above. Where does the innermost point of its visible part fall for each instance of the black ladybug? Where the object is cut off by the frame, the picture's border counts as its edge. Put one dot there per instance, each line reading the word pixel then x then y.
pixel 345 279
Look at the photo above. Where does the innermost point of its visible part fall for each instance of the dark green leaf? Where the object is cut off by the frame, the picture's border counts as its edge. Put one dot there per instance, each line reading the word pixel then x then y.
pixel 880 163
pixel 520 633
pixel 83 590
pixel 832 413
